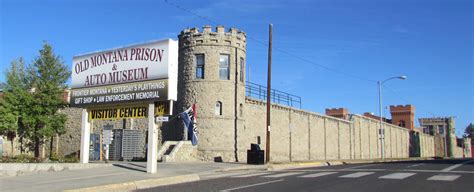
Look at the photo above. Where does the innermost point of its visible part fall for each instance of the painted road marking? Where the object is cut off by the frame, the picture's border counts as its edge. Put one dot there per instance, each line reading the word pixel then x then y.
pixel 436 171
pixel 283 174
pixel 456 166
pixel 356 175
pixel 78 178
pixel 253 185
pixel 416 165
pixel 251 175
pixel 317 174
pixel 397 176
pixel 356 167
pixel 444 177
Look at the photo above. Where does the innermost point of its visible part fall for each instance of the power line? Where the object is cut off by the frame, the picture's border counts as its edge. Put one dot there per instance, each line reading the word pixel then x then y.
pixel 403 99
pixel 276 48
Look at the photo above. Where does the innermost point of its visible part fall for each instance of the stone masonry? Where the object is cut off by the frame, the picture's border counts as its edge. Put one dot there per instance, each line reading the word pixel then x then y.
pixel 217 131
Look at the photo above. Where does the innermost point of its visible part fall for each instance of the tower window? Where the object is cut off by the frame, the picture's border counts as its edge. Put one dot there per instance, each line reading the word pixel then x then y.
pixel 242 67
pixel 200 66
pixel 401 123
pixel 218 108
pixel 224 67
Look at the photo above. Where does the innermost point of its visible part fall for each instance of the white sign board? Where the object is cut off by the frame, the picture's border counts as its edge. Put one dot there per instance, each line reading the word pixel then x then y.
pixel 157 60
pixel 162 119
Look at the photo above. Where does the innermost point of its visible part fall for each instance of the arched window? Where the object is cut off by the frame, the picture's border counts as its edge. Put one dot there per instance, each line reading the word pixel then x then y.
pixel 218 108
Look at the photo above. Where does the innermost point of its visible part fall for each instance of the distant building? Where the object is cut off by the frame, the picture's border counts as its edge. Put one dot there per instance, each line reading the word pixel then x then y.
pixel 342 113
pixel 443 129
pixel 470 135
pixel 370 115
pixel 403 115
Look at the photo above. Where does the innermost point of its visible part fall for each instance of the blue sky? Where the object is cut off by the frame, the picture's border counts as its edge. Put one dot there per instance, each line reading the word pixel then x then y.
pixel 430 41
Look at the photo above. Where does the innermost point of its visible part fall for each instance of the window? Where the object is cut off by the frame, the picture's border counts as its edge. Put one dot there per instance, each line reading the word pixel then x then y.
pixel 430 128
pixel 426 130
pixel 401 123
pixel 200 66
pixel 224 67
pixel 218 108
pixel 242 68
pixel 441 129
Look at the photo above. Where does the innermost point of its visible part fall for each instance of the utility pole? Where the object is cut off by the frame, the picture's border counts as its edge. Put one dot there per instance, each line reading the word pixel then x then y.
pixel 269 88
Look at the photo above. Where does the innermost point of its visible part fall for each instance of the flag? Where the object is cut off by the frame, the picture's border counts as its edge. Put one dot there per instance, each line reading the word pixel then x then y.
pixel 189 119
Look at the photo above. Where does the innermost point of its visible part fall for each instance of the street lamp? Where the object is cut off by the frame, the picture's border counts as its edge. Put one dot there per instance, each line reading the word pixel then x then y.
pixel 382 131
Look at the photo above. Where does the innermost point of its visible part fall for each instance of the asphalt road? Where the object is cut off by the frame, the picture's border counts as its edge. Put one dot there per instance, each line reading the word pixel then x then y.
pixel 417 176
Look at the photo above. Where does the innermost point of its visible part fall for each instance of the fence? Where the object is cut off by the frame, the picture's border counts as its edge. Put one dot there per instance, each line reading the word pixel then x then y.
pixel 257 91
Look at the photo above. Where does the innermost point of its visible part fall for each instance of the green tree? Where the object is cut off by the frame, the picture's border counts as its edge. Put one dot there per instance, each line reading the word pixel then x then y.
pixel 48 77
pixel 15 101
pixel 469 130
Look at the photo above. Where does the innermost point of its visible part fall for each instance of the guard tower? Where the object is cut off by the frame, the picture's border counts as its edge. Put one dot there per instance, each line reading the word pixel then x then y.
pixel 403 115
pixel 211 74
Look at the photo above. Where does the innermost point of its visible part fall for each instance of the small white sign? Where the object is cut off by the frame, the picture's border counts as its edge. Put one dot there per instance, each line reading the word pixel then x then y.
pixel 162 119
pixel 107 136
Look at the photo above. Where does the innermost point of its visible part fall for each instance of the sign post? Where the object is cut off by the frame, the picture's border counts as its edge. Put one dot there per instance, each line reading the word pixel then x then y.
pixel 152 153
pixel 85 137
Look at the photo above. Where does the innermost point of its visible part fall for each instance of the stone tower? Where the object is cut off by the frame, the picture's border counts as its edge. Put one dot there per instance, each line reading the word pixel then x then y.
pixel 403 115
pixel 211 74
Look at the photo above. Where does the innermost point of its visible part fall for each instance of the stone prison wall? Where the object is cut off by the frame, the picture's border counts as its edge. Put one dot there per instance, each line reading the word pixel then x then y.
pixel 298 135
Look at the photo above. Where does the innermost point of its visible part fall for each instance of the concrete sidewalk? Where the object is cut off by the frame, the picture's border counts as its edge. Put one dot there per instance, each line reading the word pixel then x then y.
pixel 122 176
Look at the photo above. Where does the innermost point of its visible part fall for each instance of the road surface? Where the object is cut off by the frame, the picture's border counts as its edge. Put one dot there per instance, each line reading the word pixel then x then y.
pixel 417 176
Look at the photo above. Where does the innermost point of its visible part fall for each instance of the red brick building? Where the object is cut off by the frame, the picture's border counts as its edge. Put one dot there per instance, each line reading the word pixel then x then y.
pixel 403 116
pixel 341 113
pixel 370 115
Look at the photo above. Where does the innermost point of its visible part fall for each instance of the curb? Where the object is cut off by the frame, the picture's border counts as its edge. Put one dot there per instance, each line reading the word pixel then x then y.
pixel 140 184
pixel 282 166
pixel 244 167
pixel 276 167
